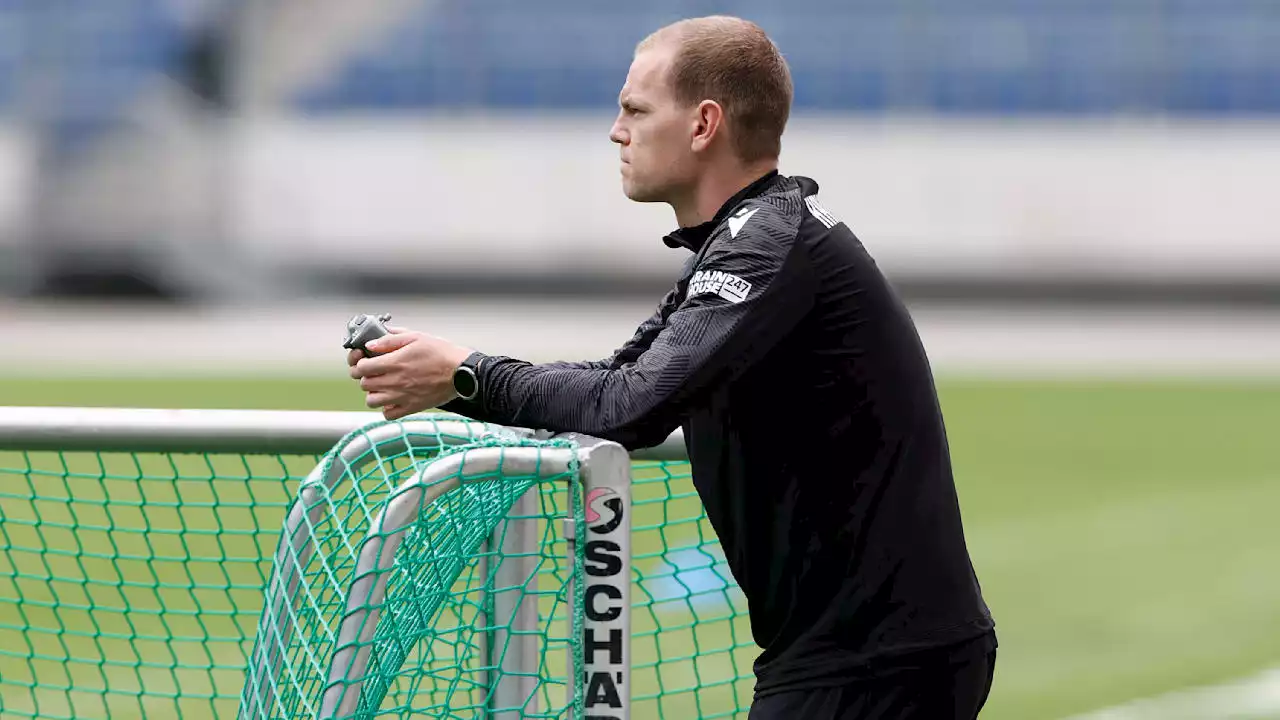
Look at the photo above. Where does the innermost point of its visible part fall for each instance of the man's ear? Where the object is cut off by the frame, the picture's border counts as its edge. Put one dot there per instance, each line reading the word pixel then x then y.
pixel 708 123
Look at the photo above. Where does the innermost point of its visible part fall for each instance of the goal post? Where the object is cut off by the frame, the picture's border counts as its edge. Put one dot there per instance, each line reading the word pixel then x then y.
pixel 178 563
pixel 512 643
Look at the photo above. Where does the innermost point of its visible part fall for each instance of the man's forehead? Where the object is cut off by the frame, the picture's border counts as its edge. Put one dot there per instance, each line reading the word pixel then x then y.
pixel 646 74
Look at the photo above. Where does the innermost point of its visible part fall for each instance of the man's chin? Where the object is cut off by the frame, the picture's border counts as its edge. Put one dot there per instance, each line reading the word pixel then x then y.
pixel 640 195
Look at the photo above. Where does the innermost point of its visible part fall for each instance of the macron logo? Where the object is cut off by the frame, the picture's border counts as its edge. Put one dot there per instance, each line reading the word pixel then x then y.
pixel 738 220
pixel 728 286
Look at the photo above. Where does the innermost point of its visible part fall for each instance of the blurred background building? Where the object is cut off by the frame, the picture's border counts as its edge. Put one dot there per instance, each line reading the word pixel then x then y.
pixel 231 149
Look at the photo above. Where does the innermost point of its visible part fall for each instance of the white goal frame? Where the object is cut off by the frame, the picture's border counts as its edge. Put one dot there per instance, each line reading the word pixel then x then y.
pixel 604 470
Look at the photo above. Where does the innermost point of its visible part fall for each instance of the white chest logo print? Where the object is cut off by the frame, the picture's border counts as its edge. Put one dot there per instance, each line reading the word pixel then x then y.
pixel 737 221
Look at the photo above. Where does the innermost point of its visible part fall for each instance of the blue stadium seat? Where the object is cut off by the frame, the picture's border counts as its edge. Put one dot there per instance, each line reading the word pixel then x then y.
pixel 976 56
pixel 11 44
pixel 1221 62
pixel 91 59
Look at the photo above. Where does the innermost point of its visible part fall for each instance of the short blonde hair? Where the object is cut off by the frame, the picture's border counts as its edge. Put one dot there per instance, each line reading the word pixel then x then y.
pixel 733 62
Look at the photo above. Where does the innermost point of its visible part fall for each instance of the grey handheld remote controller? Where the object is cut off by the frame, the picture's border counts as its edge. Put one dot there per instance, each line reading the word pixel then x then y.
pixel 363 328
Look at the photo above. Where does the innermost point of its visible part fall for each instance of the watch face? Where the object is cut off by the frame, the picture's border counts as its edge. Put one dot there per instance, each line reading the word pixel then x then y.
pixel 464 382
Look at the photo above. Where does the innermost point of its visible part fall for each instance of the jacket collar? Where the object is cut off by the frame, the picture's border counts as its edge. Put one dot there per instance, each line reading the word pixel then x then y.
pixel 695 236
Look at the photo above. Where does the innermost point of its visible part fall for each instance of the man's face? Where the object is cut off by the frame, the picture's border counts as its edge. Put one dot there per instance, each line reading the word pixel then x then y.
pixel 654 133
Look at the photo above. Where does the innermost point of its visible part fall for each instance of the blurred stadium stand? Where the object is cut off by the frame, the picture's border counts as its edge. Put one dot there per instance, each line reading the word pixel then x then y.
pixel 122 99
pixel 73 79
pixel 87 60
pixel 938 56
pixel 75 67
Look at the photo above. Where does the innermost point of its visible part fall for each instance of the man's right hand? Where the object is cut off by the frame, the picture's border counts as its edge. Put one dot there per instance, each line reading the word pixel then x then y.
pixel 355 356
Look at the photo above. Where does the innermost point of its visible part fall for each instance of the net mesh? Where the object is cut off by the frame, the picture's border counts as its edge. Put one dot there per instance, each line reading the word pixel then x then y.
pixel 429 606
pixel 134 585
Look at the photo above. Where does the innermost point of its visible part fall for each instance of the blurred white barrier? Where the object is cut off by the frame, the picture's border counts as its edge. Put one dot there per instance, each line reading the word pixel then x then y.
pixel 527 194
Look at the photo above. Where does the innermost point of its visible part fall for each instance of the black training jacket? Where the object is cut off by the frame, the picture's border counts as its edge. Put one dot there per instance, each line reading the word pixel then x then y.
pixel 813 428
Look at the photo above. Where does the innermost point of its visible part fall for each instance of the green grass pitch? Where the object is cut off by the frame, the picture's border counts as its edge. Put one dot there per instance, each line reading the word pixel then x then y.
pixel 1124 531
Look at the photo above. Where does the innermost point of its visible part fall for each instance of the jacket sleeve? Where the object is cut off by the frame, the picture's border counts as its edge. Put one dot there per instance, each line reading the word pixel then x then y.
pixel 744 296
pixel 628 352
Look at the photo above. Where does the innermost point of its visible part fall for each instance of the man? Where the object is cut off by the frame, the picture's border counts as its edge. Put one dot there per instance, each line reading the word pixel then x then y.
pixel 808 405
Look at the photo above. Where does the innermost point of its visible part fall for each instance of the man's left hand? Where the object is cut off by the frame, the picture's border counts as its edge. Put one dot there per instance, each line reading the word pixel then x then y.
pixel 412 372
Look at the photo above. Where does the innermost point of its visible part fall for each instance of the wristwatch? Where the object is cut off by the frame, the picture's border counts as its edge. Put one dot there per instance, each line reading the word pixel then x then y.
pixel 466 377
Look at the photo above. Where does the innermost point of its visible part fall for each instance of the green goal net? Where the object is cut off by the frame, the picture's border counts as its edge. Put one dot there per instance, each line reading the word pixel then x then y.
pixel 442 570
pixel 389 596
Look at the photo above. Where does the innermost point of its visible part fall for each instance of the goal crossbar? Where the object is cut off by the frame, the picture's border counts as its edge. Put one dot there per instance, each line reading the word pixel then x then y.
pixel 247 432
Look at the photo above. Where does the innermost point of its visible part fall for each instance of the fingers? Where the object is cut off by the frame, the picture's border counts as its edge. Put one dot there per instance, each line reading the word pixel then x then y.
pixel 390 410
pixel 353 360
pixel 390 401
pixel 378 383
pixel 371 367
pixel 380 399
pixel 385 388
pixel 395 412
pixel 389 343
pixel 384 345
pixel 373 372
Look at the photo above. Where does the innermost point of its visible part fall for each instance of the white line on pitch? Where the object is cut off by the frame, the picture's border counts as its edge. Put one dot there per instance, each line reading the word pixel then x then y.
pixel 1256 697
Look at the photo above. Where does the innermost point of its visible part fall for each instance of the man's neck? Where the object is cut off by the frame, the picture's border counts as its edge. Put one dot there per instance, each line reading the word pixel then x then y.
pixel 715 189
